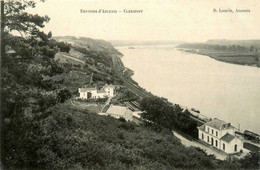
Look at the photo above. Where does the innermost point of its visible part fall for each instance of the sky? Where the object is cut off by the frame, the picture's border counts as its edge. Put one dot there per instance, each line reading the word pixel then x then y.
pixel 181 20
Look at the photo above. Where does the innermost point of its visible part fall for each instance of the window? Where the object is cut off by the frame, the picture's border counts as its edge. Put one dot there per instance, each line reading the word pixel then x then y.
pixel 202 136
pixel 223 146
pixel 208 130
pixel 216 133
pixel 235 149
pixel 212 132
pixel 208 138
pixel 216 143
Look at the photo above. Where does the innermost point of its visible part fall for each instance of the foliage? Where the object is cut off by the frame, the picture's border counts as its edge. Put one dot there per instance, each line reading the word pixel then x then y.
pixel 165 114
pixel 92 100
pixel 68 138
pixel 125 94
pixel 218 47
pixel 63 95
pixel 250 161
pixel 64 47
pixel 26 88
pixel 97 56
pixel 16 19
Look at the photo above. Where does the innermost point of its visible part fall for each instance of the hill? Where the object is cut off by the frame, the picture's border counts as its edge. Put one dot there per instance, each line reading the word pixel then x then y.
pixel 86 57
pixel 67 137
pixel 88 43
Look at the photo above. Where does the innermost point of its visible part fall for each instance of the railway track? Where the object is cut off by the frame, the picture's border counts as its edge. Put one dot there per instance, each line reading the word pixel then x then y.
pixel 117 65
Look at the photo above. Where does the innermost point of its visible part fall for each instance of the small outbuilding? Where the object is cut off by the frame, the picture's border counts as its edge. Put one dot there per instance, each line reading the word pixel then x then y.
pixel 120 111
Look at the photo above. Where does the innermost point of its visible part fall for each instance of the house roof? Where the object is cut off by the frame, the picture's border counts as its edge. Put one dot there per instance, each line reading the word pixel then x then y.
pixel 227 137
pixel 202 127
pixel 219 124
pixel 117 110
pixel 101 91
pixel 111 86
pixel 87 89
pixel 11 51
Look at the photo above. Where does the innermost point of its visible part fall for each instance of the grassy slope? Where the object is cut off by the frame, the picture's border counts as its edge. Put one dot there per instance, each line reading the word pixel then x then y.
pixel 85 140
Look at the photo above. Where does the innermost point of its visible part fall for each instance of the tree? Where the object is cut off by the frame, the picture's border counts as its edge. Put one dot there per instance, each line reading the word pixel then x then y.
pixel 250 161
pixel 64 47
pixel 251 48
pixel 257 56
pixel 159 111
pixel 163 113
pixel 16 19
pixel 25 92
pixel 50 34
pixel 63 95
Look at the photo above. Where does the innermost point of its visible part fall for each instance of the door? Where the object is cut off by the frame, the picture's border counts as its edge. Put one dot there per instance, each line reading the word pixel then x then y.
pixel 89 94
pixel 235 149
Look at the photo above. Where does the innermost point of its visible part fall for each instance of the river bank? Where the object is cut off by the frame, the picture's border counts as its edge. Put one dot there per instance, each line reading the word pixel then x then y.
pixel 246 59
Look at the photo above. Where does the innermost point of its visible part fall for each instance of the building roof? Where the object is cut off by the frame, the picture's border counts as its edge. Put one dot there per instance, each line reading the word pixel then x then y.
pixel 227 137
pixel 110 85
pixel 117 110
pixel 219 124
pixel 87 89
pixel 202 127
pixel 101 91
pixel 11 51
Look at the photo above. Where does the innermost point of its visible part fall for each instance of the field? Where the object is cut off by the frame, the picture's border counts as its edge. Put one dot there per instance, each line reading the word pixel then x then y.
pixel 243 58
pixel 238 60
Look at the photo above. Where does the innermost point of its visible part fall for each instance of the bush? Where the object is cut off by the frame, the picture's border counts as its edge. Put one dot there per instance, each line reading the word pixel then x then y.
pixel 63 95
pixel 163 113
pixel 64 47
pixel 67 138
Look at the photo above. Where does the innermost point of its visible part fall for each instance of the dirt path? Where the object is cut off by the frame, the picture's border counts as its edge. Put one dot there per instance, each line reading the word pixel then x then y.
pixel 208 150
pixel 107 103
pixel 83 62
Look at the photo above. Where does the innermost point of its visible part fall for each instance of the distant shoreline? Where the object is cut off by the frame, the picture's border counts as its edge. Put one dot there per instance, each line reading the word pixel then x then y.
pixel 242 59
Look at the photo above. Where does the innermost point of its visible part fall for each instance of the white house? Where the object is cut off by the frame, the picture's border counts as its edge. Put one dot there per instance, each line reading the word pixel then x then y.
pixel 120 111
pixel 110 90
pixel 220 135
pixel 94 93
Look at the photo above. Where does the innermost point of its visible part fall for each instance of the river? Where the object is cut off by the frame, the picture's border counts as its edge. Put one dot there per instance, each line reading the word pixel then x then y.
pixel 226 91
